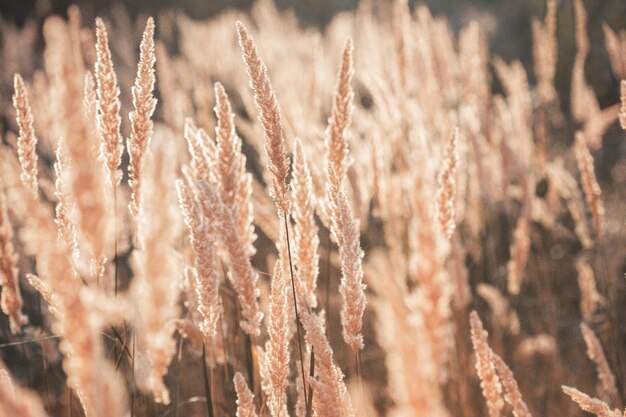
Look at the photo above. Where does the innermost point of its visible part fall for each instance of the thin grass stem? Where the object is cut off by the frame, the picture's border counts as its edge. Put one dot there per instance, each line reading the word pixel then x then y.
pixel 295 306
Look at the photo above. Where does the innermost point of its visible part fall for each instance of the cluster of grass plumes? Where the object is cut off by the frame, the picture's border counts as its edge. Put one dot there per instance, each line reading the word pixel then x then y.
pixel 288 222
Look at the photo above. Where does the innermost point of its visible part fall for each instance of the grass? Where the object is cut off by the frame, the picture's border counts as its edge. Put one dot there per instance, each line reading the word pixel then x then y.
pixel 432 196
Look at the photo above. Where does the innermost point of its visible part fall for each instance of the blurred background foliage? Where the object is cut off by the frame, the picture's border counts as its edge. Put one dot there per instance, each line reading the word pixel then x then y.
pixel 507 23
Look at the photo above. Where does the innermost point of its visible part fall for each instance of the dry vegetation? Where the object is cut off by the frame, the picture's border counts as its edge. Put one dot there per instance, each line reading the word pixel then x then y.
pixel 332 241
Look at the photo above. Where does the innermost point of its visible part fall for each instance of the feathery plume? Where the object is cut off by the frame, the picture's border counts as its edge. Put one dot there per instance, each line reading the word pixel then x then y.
pixel 234 181
pixel 11 298
pixel 336 142
pixel 269 117
pixel 88 372
pixel 55 304
pixel 64 207
pixel 72 89
pixel 589 404
pixel 512 396
pixel 596 354
pixel 489 381
pixel 201 157
pixel 306 231
pixel 245 398
pixel 241 273
pixel 108 118
pixel 228 146
pixel 447 187
pixel 330 396
pixel 141 117
pixel 278 345
pixel 399 317
pixel 206 270
pixel 156 284
pixel 27 141
pixel 590 185
pixel 346 231
pixel 90 104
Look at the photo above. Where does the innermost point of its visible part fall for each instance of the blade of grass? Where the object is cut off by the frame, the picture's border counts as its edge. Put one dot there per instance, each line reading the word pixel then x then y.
pixel 359 378
pixel 207 385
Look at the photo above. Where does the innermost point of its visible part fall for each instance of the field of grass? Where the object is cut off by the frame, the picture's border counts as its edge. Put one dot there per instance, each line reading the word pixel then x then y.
pixel 247 216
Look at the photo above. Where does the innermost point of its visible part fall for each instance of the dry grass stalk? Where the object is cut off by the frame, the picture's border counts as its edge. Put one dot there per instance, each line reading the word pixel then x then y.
pixel 567 188
pixel 94 379
pixel 202 158
pixel 590 185
pixel 589 404
pixel 234 181
pixel 156 286
pixel 596 354
pixel 622 113
pixel 55 304
pixel 245 398
pixel 11 298
pixel 616 47
pixel 447 187
pixel 584 104
pixel 64 206
pixel 141 117
pixel 400 315
pixel 582 39
pixel 505 316
pixel 429 250
pixel 278 345
pixel 545 53
pixel 27 141
pixel 88 372
pixel 346 231
pixel 344 227
pixel 206 279
pixel 589 296
pixel 330 396
pixel 416 317
pixel 336 142
pixel 108 118
pixel 306 231
pixel 269 117
pixel 512 396
pixel 90 104
pixel 241 274
pixel 228 148
pixel 519 255
pixel 63 66
pixel 489 381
